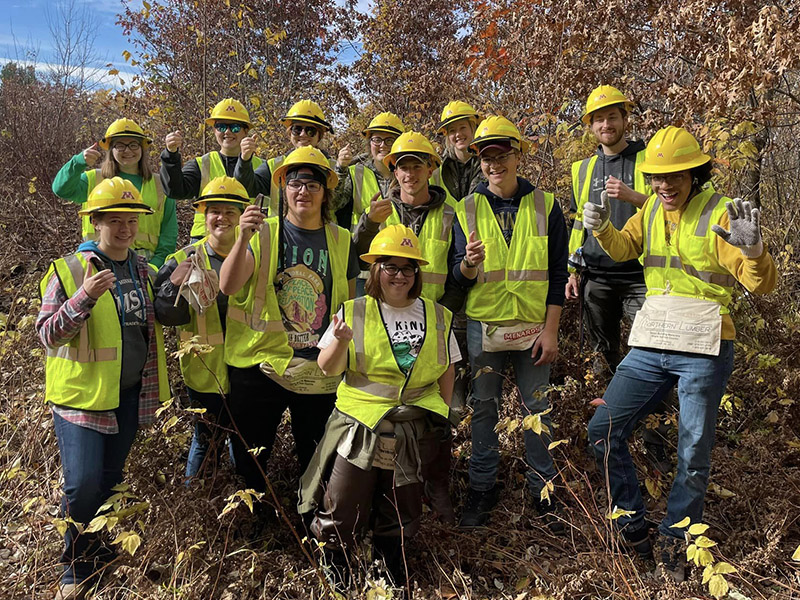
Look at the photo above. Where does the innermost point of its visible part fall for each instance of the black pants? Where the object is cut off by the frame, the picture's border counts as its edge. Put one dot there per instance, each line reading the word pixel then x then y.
pixel 257 405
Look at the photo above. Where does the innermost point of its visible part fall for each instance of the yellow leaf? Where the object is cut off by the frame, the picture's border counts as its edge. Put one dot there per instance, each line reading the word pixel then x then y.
pixel 113 72
pixel 796 555
pixel 708 573
pixel 61 526
pixel 617 513
pixel 724 567
pixel 146 4
pixel 129 540
pixel 704 542
pixel 653 488
pixel 720 491
pixel 96 524
pixel 703 557
pixel 252 72
pixel 682 523
pixel 199 411
pixel 255 101
pixel 170 423
pixel 31 186
pixel 691 551
pixel 126 55
pixel 556 443
pixel 698 528
pixel 545 493
pixel 718 586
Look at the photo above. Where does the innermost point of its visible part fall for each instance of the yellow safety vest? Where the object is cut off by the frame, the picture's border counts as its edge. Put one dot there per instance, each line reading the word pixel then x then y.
pixel 435 238
pixel 688 266
pixel 373 383
pixel 581 176
pixel 202 374
pixel 365 186
pixel 512 282
pixel 84 374
pixel 149 225
pixel 254 326
pixel 211 167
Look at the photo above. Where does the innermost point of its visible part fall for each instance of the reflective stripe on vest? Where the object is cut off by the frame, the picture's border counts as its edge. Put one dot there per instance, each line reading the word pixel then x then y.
pixel 692 245
pixel 373 383
pixel 365 186
pixel 149 225
pixel 512 282
pixel 211 167
pixel 202 373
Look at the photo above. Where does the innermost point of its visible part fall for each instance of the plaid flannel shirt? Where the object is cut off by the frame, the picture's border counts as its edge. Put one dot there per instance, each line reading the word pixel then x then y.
pixel 61 318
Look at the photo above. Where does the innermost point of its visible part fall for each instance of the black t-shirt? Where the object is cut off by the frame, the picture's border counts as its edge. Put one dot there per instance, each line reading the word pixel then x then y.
pixel 305 285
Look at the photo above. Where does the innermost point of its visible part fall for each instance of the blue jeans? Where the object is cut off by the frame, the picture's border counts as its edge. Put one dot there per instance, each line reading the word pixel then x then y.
pixel 210 431
pixel 643 379
pixel 92 464
pixel 487 389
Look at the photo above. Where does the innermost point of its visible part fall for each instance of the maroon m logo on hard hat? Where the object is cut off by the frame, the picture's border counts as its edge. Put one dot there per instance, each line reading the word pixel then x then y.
pixel 230 108
pixel 127 196
pixel 407 242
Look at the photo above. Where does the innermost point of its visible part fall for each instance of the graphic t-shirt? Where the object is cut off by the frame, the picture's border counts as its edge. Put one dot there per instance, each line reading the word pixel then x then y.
pixel 305 286
pixel 406 329
pixel 131 307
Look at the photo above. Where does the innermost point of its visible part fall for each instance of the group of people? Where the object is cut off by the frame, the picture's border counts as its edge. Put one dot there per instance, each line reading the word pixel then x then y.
pixel 347 290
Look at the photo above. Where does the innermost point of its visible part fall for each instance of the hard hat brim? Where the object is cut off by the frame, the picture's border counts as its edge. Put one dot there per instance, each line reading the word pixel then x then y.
pixel 442 127
pixel 200 204
pixel 123 208
pixel 383 129
pixel 105 143
pixel 371 258
pixel 332 179
pixel 651 169
pixel 211 120
pixel 524 145
pixel 390 162
pixel 287 121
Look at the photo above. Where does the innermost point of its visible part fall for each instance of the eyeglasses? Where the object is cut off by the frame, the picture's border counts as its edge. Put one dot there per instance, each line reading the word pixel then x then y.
pixel 297 184
pixel 232 127
pixel 672 179
pixel 379 141
pixel 299 129
pixel 122 146
pixel 500 159
pixel 392 270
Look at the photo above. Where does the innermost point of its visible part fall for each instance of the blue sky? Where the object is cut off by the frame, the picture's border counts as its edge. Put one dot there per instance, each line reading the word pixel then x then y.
pixel 24 31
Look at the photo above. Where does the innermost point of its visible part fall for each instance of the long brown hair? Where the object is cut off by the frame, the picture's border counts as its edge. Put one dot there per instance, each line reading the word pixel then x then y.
pixel 110 166
pixel 373 285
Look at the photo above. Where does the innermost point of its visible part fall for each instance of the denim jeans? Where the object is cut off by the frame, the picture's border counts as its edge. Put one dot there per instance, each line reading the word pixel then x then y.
pixel 92 464
pixel 643 379
pixel 210 431
pixel 487 391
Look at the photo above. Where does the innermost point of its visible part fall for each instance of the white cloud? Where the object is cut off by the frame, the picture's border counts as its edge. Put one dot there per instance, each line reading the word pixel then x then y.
pixel 95 75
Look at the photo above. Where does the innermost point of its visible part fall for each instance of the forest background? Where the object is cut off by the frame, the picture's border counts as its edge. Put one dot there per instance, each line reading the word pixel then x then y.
pixel 727 71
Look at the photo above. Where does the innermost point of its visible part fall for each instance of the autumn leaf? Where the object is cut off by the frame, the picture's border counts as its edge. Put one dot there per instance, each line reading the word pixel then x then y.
pixel 796 555
pixel 682 523
pixel 698 528
pixel 718 586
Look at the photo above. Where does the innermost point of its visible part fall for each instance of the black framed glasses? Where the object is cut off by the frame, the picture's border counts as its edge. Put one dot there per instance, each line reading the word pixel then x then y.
pixel 122 146
pixel 496 160
pixel 392 270
pixel 380 141
pixel 310 130
pixel 232 127
pixel 298 184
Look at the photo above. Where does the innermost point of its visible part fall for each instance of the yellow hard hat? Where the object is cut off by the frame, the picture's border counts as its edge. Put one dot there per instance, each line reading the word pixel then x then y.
pixel 602 96
pixel 498 129
pixel 223 190
pixel 115 195
pixel 387 123
pixel 306 155
pixel 394 240
pixel 672 149
pixel 411 142
pixel 124 128
pixel 306 111
pixel 229 110
pixel 455 111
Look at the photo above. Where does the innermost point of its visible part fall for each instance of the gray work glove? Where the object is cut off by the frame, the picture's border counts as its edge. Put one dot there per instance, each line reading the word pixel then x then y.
pixel 745 231
pixel 595 216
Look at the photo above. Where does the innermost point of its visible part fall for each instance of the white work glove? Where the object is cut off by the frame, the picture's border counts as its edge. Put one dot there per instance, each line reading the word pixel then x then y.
pixel 745 231
pixel 595 216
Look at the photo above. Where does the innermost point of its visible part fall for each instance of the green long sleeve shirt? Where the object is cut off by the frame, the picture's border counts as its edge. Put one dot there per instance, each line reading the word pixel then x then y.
pixel 71 183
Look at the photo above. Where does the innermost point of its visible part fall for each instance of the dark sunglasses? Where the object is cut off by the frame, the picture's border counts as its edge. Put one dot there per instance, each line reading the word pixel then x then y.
pixel 299 129
pixel 233 127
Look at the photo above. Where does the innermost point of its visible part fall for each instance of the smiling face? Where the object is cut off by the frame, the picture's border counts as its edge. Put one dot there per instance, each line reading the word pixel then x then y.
pixel 127 151
pixel 302 134
pixel 229 142
pixel 116 232
pixel 380 144
pixel 460 134
pixel 304 205
pixel 673 189
pixel 395 288
pixel 412 174
pixel 499 166
pixel 221 220
pixel 608 125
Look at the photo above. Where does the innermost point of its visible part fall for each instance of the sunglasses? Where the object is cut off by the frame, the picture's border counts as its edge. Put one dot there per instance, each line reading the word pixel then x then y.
pixel 299 129
pixel 232 127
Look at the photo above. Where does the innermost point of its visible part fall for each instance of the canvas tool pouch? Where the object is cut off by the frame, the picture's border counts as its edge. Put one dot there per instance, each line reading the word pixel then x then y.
pixel 679 324
pixel 499 338
pixel 303 376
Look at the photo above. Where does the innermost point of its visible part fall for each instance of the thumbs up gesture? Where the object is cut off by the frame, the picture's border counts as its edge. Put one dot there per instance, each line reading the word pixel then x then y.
pixel 595 216
pixel 91 155
pixel 248 146
pixel 174 140
pixel 475 251
pixel 345 157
